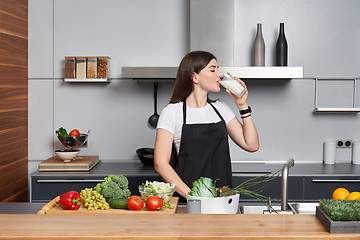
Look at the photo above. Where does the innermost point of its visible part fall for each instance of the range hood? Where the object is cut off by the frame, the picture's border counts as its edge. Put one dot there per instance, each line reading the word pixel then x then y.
pixel 204 18
pixel 241 72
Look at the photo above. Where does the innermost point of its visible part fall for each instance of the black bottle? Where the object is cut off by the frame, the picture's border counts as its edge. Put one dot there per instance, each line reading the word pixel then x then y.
pixel 281 48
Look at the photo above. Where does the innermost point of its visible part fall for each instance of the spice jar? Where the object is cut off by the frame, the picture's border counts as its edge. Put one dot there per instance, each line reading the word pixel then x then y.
pixel 81 67
pixel 69 67
pixel 91 67
pixel 103 70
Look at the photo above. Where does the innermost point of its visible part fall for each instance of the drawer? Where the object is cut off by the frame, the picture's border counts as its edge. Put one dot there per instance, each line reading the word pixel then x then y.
pixel 44 189
pixel 273 188
pixel 322 187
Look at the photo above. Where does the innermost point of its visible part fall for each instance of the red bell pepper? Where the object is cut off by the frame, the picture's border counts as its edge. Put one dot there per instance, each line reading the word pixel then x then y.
pixel 70 201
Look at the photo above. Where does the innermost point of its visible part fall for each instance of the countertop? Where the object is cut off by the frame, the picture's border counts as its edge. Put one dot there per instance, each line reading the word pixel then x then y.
pixel 20 207
pixel 161 226
pixel 136 168
pixel 165 226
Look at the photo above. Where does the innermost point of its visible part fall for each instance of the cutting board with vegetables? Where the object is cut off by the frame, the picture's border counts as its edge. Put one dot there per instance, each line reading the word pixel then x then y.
pixel 52 207
pixel 81 163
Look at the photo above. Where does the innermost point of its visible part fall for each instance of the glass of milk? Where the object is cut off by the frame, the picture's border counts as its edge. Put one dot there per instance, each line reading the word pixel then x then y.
pixel 229 82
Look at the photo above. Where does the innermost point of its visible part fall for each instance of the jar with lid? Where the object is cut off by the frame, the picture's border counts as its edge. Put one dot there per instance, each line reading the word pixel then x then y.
pixel 81 67
pixel 91 67
pixel 69 67
pixel 103 67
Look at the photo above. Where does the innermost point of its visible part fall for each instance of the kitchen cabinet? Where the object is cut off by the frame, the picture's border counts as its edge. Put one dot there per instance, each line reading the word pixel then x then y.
pixel 306 181
pixel 272 189
pixel 44 189
pixel 45 186
pixel 318 187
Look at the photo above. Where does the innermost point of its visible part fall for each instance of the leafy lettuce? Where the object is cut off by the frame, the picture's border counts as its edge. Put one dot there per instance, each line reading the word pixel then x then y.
pixel 203 187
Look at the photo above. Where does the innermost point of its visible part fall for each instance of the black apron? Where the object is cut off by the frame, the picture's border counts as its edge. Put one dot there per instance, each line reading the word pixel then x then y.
pixel 204 152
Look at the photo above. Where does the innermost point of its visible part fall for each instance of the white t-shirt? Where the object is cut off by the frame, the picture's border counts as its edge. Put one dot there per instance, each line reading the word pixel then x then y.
pixel 171 117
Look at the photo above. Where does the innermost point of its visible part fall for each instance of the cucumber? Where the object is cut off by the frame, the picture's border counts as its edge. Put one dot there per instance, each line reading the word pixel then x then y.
pixel 118 203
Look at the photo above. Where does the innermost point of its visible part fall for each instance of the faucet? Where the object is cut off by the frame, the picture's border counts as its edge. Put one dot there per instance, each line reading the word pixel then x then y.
pixel 284 184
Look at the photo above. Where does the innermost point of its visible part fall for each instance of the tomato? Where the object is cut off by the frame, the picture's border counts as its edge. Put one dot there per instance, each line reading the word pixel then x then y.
pixel 74 132
pixel 154 203
pixel 135 203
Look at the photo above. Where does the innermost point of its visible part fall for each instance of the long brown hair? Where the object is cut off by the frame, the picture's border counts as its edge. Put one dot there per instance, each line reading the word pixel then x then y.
pixel 193 62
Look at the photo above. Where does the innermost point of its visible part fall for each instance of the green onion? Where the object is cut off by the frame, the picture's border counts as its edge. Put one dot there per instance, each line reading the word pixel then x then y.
pixel 242 188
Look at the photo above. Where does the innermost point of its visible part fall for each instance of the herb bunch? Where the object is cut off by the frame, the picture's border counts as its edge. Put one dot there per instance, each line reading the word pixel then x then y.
pixel 341 210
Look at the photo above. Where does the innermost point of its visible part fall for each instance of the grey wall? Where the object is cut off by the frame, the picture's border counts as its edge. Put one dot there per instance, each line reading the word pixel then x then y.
pixel 322 35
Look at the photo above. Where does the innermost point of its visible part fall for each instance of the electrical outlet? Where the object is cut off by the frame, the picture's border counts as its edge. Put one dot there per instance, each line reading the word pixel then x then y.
pixel 343 143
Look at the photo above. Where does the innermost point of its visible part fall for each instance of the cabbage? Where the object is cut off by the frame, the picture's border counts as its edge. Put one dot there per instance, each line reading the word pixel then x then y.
pixel 203 187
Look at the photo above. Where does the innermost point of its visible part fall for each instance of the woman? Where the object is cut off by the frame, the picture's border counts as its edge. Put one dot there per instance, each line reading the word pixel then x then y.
pixel 199 127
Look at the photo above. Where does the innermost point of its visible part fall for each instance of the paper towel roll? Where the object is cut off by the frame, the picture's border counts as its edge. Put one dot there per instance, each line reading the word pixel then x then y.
pixel 329 152
pixel 355 158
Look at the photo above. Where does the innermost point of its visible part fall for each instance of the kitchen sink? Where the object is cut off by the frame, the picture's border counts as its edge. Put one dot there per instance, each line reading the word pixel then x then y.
pixel 304 207
pixel 263 209
pixel 293 208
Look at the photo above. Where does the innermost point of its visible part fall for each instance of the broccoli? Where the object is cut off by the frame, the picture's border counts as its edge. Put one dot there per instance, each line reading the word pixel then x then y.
pixel 203 187
pixel 121 180
pixel 114 186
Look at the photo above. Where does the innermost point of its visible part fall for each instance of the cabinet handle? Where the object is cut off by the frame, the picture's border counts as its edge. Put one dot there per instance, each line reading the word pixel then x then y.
pixel 68 180
pixel 335 180
pixel 247 174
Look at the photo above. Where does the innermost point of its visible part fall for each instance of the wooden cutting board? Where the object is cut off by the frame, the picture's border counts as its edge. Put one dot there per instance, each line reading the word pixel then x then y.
pixel 81 163
pixel 52 207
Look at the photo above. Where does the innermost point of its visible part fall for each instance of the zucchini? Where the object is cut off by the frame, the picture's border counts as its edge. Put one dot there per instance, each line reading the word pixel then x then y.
pixel 118 203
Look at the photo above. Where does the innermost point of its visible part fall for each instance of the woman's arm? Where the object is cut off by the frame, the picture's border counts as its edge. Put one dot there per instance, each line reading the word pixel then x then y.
pixel 162 154
pixel 245 134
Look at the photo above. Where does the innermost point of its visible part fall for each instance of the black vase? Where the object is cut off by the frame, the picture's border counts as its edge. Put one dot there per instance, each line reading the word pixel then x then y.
pixel 281 48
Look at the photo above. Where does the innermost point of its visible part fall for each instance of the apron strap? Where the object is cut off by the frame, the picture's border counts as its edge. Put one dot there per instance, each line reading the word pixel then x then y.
pixel 217 112
pixel 184 111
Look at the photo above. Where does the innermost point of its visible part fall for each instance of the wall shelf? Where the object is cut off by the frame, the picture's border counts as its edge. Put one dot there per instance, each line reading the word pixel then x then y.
pixel 89 80
pixel 87 69
pixel 149 72
pixel 265 72
pixel 241 72
pixel 352 109
pixel 336 110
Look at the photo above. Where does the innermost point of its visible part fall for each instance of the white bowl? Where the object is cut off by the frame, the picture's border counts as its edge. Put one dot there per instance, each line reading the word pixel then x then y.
pixel 66 155
pixel 218 205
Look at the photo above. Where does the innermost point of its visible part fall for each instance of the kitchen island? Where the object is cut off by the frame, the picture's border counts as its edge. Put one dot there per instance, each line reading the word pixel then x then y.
pixel 165 226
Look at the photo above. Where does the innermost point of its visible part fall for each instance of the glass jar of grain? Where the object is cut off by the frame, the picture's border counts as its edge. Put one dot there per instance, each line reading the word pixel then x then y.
pixel 81 67
pixel 91 67
pixel 69 67
pixel 103 67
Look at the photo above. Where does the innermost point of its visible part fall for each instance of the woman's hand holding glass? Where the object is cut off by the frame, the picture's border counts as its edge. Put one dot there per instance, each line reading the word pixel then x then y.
pixel 241 102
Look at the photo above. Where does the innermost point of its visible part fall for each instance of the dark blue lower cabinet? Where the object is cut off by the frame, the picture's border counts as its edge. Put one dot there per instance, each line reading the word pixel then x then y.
pixel 272 188
pixel 44 189
pixel 321 187
pixel 300 188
